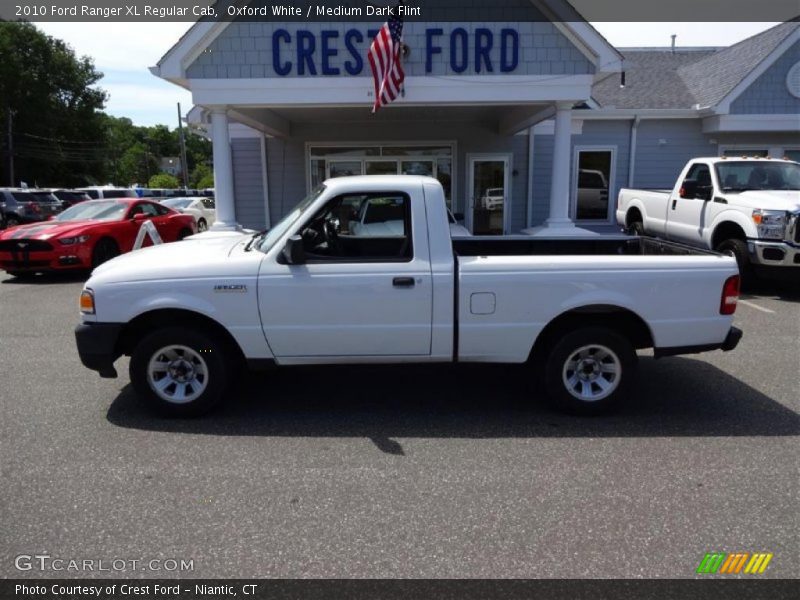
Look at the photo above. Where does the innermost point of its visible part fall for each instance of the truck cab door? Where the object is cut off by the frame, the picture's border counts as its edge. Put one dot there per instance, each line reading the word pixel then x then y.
pixel 351 285
pixel 688 210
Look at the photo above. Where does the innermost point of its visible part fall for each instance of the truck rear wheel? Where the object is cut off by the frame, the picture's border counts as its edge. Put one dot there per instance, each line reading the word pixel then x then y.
pixel 179 372
pixel 590 371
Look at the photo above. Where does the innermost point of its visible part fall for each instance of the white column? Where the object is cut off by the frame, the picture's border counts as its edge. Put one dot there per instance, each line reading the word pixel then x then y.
pixel 559 223
pixel 223 172
pixel 559 180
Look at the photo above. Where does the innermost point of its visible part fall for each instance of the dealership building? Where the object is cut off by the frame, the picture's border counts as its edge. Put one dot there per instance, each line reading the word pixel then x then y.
pixel 525 122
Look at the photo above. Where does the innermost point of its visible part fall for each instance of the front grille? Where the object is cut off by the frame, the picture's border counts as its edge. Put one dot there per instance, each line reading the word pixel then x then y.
pixel 23 245
pixel 11 265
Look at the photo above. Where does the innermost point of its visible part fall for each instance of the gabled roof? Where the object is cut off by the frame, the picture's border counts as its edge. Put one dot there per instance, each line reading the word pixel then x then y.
pixel 714 77
pixel 652 80
pixel 658 78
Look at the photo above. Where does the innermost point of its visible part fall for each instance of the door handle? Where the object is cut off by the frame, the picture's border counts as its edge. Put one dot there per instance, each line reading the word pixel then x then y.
pixel 403 282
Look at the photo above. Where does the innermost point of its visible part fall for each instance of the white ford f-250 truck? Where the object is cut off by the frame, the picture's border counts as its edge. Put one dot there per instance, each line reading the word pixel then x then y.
pixel 313 291
pixel 746 207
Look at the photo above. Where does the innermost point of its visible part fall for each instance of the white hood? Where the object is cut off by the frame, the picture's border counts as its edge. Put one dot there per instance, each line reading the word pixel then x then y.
pixel 207 255
pixel 767 199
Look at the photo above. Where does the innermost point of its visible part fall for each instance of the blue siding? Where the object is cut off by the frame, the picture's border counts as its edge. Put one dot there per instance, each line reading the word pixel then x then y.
pixel 248 182
pixel 608 134
pixel 664 147
pixel 245 50
pixel 768 94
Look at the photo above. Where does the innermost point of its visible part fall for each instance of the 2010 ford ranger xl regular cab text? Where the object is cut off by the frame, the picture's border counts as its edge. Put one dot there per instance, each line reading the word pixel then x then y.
pixel 746 207
pixel 320 289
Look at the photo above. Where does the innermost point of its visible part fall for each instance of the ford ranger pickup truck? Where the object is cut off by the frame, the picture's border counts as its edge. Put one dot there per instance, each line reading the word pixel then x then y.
pixel 746 207
pixel 312 290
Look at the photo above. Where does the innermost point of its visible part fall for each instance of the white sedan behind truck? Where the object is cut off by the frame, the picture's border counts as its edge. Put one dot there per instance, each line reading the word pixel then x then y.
pixel 314 290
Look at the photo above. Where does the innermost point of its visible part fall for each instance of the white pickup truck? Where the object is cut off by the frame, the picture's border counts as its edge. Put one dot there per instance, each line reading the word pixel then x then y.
pixel 313 291
pixel 746 207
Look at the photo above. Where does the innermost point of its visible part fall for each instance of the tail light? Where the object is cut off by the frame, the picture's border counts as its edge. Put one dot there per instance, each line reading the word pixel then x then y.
pixel 730 296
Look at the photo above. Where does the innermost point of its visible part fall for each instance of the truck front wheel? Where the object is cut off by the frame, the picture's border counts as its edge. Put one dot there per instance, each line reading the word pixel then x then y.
pixel 738 249
pixel 590 371
pixel 179 372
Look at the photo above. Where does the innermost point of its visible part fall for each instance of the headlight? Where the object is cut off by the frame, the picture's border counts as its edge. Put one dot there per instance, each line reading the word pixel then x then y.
pixel 771 224
pixel 73 240
pixel 87 302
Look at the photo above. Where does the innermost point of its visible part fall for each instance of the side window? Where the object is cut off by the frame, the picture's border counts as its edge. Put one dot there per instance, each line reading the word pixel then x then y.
pixel 699 178
pixel 160 210
pixel 151 210
pixel 354 227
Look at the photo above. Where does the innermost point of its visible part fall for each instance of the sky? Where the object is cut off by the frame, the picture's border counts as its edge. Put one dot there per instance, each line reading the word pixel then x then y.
pixel 124 51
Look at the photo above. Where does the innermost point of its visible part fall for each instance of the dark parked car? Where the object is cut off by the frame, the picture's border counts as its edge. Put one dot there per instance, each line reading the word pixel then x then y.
pixel 70 197
pixel 27 206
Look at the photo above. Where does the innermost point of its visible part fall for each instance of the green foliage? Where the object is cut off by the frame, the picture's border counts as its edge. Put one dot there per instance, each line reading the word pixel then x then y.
pixel 201 172
pixel 59 133
pixel 206 182
pixel 163 180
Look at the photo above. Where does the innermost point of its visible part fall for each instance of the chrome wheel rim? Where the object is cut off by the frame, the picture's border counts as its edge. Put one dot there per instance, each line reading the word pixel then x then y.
pixel 591 373
pixel 177 374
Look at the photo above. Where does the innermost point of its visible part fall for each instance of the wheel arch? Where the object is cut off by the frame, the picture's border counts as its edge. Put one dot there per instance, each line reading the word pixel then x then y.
pixel 149 321
pixel 620 319
pixel 729 225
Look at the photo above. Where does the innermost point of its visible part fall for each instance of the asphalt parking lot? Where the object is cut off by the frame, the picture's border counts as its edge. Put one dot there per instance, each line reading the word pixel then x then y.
pixel 400 471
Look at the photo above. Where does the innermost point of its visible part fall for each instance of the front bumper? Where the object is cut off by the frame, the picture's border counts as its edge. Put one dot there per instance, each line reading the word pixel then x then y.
pixel 773 254
pixel 729 343
pixel 59 259
pixel 97 346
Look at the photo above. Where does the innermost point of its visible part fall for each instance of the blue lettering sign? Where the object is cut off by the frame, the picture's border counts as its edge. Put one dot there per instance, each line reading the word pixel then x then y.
pixel 483 46
pixel 509 63
pixel 479 52
pixel 306 45
pixel 459 36
pixel 430 49
pixel 352 37
pixel 328 52
pixel 281 69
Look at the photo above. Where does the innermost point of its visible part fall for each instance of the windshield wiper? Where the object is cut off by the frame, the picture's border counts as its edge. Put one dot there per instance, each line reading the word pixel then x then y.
pixel 256 236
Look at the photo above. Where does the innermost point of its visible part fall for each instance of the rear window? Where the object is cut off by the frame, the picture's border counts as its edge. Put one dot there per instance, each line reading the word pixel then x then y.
pixel 44 197
pixel 119 194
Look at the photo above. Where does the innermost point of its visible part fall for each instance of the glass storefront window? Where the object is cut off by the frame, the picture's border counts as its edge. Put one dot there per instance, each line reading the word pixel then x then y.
pixel 317 172
pixel 344 168
pixel 417 167
pixel 381 167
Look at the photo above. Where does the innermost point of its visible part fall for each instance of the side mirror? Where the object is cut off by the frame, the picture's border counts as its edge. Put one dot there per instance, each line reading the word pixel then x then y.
pixel 138 217
pixel 293 252
pixel 688 190
pixel 458 216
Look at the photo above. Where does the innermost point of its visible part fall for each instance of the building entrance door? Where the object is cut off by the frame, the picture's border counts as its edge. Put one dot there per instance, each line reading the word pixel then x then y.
pixel 488 194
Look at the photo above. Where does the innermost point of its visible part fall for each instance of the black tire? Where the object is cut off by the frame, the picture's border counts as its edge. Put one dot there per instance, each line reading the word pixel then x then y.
pixel 612 351
pixel 738 249
pixel 202 225
pixel 636 227
pixel 184 233
pixel 104 250
pixel 12 221
pixel 208 376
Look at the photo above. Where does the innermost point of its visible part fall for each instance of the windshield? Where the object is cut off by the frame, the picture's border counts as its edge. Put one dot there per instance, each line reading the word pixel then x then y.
pixel 99 210
pixel 286 223
pixel 741 176
pixel 178 202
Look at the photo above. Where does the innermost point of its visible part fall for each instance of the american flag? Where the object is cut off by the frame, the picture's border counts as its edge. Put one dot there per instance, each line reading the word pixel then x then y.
pixel 384 59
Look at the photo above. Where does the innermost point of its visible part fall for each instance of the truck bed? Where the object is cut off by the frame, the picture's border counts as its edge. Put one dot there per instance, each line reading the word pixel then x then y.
pixel 619 245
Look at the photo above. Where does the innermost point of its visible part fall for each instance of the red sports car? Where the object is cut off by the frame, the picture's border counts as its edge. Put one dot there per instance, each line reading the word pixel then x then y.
pixel 87 235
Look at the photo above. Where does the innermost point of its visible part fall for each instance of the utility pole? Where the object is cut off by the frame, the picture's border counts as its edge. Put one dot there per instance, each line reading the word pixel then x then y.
pixel 10 147
pixel 184 166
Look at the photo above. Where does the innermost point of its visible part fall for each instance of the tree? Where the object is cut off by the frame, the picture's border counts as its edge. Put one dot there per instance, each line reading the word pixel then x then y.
pixel 58 129
pixel 163 180
pixel 205 182
pixel 201 173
